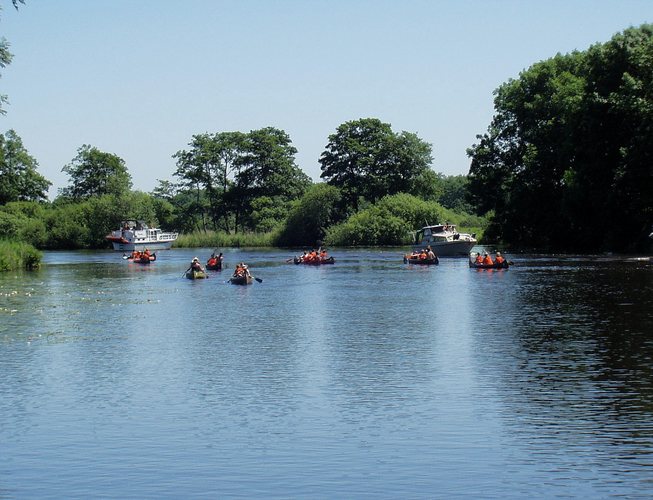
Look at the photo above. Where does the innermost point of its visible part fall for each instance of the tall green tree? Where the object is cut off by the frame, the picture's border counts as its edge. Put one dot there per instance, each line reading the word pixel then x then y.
pixel 267 169
pixel 366 160
pixel 95 173
pixel 208 167
pixel 19 179
pixel 566 162
pixel 241 181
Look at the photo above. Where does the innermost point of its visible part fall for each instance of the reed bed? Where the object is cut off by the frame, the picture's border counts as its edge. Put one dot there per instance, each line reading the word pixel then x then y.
pixel 202 239
pixel 18 255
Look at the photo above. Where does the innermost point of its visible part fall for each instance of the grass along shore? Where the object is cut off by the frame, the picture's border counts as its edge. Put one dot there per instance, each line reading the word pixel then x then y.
pixel 18 255
pixel 216 239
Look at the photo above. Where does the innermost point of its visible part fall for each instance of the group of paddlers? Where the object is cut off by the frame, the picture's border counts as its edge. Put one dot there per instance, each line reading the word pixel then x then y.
pixel 423 254
pixel 144 255
pixel 215 262
pixel 313 256
pixel 486 260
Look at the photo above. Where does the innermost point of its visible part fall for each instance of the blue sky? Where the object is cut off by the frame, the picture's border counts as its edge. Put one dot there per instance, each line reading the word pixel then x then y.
pixel 138 78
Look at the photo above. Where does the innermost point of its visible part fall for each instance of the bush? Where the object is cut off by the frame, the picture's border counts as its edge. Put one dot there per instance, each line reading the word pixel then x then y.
pixel 310 217
pixel 371 227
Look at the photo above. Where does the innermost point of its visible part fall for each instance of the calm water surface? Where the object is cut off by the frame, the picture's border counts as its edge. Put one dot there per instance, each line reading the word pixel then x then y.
pixel 365 379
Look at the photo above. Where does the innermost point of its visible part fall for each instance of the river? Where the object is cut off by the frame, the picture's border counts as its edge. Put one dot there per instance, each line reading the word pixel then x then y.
pixel 369 378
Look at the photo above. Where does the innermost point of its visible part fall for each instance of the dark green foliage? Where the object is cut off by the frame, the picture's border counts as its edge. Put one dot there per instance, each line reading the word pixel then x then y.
pixel 310 217
pixel 391 221
pixel 567 162
pixel 455 193
pixel 19 180
pixel 237 181
pixel 370 227
pixel 96 173
pixel 366 160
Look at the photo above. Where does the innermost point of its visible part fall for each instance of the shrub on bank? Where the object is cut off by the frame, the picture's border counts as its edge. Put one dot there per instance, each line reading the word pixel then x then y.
pixel 18 255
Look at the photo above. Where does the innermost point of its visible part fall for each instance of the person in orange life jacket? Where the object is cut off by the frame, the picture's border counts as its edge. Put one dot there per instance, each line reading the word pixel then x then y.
pixel 215 260
pixel 241 270
pixel 479 258
pixel 487 260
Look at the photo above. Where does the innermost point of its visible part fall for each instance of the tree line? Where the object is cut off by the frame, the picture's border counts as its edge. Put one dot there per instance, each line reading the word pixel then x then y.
pixel 240 183
pixel 565 165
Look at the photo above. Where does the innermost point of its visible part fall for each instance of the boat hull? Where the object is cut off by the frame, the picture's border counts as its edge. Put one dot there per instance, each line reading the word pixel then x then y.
pixel 195 275
pixel 320 262
pixel 241 280
pixel 502 265
pixel 422 262
pixel 121 245
pixel 453 248
pixel 214 265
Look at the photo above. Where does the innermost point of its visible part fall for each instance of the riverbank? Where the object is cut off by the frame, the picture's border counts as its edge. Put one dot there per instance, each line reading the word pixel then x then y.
pixel 18 255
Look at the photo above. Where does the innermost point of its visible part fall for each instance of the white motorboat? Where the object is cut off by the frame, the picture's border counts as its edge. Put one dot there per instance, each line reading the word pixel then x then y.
pixel 445 240
pixel 136 235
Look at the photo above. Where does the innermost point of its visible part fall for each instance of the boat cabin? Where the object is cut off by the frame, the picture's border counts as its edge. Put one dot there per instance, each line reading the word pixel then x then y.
pixel 438 232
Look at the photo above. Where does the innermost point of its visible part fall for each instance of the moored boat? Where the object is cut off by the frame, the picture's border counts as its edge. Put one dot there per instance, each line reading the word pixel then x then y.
pixel 136 235
pixel 445 240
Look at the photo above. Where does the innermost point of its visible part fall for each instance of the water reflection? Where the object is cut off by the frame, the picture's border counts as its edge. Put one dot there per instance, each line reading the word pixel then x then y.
pixel 571 363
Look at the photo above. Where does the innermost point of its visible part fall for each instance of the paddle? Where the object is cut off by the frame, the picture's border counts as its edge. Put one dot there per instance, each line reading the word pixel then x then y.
pixel 185 272
pixel 258 279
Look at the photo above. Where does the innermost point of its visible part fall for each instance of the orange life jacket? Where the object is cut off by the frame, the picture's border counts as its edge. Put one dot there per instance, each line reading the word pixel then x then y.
pixel 479 259
pixel 499 260
pixel 487 260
